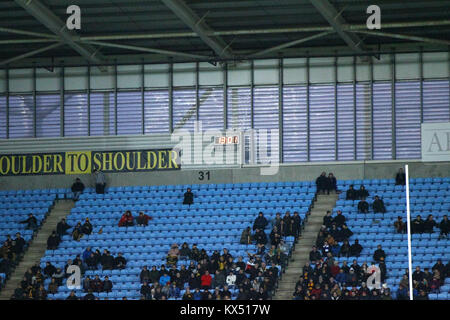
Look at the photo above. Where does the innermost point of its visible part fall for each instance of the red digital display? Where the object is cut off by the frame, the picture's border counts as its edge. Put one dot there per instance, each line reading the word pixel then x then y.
pixel 224 140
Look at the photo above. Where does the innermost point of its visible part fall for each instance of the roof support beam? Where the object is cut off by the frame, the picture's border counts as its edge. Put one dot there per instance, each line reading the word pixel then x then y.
pixel 190 18
pixel 150 50
pixel 58 27
pixel 406 37
pixel 134 36
pixel 289 44
pixel 338 23
pixel 31 53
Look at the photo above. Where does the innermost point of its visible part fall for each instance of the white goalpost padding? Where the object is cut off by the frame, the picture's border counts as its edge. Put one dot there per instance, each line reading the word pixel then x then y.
pixel 408 223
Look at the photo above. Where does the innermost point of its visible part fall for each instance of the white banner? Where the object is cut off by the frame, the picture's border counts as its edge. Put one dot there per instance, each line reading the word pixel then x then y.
pixel 436 141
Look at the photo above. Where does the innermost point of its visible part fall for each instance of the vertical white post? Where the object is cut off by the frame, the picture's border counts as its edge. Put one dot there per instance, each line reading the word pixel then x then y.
pixel 408 223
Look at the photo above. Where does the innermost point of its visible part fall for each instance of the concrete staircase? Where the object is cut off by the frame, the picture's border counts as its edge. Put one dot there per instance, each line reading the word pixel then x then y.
pixel 37 248
pixel 301 253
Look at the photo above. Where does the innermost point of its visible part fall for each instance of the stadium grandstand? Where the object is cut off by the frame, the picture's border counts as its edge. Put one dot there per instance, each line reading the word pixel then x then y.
pixel 224 150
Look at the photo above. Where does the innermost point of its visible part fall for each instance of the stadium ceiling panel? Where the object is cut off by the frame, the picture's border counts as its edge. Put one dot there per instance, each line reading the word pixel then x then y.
pixel 160 31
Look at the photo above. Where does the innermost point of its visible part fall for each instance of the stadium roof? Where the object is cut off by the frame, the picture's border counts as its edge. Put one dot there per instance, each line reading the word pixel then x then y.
pixel 154 31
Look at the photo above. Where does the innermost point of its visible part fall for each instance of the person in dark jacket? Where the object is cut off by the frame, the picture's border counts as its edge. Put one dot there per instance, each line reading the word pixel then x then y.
pixel 49 270
pixel 296 224
pixel 417 225
pixel 400 178
pixel 331 183
pixel 351 194
pixel 62 227
pixel 260 236
pixel 107 261
pixel 444 225
pixel 314 254
pixel 53 241
pixel 363 206
pixel 321 183
pixel 328 220
pixel 378 205
pixel 362 192
pixel 339 220
pixel 86 228
pixel 344 251
pixel 107 285
pixel 260 222
pixel 287 225
pixel 32 223
pixel 120 262
pixel 188 197
pixel 77 189
pixel 343 234
pixel 19 244
pixel 429 224
pixel 378 254
pixel 144 276
pixel 355 249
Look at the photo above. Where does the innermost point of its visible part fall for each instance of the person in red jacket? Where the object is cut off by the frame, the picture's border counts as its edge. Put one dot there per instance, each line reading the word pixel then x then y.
pixel 126 220
pixel 206 280
pixel 142 219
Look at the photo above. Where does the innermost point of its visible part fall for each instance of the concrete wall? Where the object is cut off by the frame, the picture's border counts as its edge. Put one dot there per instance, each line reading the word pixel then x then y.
pixel 301 172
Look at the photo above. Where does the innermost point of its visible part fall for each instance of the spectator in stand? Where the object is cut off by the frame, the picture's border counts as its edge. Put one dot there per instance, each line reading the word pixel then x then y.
pixel 351 194
pixel 378 254
pixel 91 262
pixel 107 261
pixel 53 241
pixel 120 262
pixel 188 197
pixel 62 227
pixel 378 205
pixel 260 222
pixel 314 255
pixel 275 236
pixel 100 181
pixel 276 222
pixel 143 219
pixel 96 284
pixel 246 236
pixel 344 251
pixel 77 234
pixel 126 220
pixel 165 278
pixel 31 222
pixel 362 193
pixel 417 225
pixel 72 296
pixel 328 220
pixel 322 183
pixel 363 206
pixel 206 280
pixel 444 225
pixel 107 285
pixel 331 183
pixel 339 220
pixel 49 270
pixel 77 189
pixel 343 234
pixel 429 224
pixel 86 228
pixel 399 225
pixel 260 237
pixel 439 266
pixel 19 244
pixel 185 252
pixel 296 224
pixel 173 255
pixel 418 275
pixel 400 178
pixel 355 249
